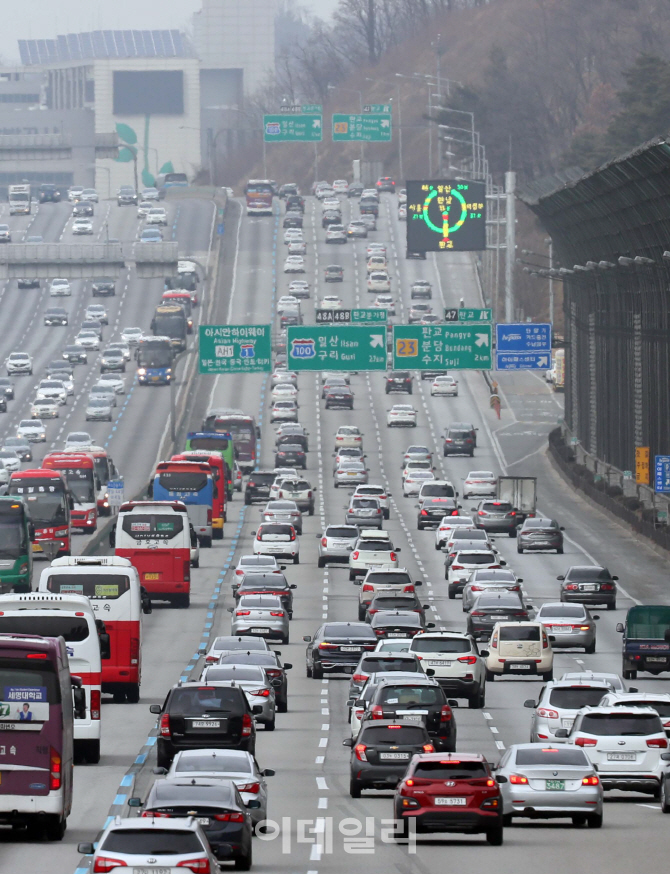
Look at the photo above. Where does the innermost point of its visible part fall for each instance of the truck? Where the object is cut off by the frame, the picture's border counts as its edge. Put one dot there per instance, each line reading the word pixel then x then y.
pixel 19 199
pixel 521 493
pixel 559 370
pixel 646 640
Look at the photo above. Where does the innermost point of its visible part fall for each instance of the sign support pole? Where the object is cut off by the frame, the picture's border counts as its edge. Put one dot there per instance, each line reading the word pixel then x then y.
pixel 510 255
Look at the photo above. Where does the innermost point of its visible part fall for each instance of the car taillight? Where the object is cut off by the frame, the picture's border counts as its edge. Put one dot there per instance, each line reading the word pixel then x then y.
pixel 476 588
pixel 518 780
pixel 325 645
pixel 104 863
pixel 657 743
pixel 428 748
pixel 247 725
pixel 95 703
pixel 165 725
pixel 359 678
pixel 448 440
pixel 134 650
pixel 379 631
pixel 261 693
pixel 253 788
pixel 211 659
pixel 276 613
pixel 243 612
pixel 229 817
pixel 56 768
pixel 457 567
pixel 468 660
pixel 360 749
pixel 606 587
pixel 409 588
pixel 572 587
pixel 324 541
pixel 590 781
pixel 258 536
pixel 155 815
pixel 477 613
pixel 376 712
pixel 481 513
pixel 198 866
pixel 547 713
pixel 367 587
pixel 445 713
pixel 355 555
pixel 424 512
pixel 586 742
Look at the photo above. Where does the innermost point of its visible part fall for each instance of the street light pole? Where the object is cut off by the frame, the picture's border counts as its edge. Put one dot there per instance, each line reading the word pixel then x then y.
pixel 401 170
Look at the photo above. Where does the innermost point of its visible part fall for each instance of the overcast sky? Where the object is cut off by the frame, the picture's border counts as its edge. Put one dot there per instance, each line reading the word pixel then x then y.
pixel 45 19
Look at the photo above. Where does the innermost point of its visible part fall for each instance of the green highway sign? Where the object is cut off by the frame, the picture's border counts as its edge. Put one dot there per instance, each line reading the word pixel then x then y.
pixel 462 314
pixel 336 347
pixel 235 348
pixel 366 127
pixel 442 347
pixel 378 108
pixel 302 108
pixel 307 128
pixel 372 314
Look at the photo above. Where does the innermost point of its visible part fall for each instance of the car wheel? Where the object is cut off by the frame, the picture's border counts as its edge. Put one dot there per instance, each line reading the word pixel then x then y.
pixel 401 832
pixel 591 648
pixel 352 577
pixel 317 673
pixel 296 559
pixel 595 820
pixel 361 614
pixel 282 706
pixel 284 640
pixel 548 675
pixel 519 549
pixel 559 551
pixel 611 605
pixel 495 836
pixel 490 676
pixel 664 797
pixel 321 562
pixel 452 593
pixel 579 819
pixel 270 726
pixel 354 788
pixel 308 671
pixel 507 818
pixel 243 863
pixel 478 700
pixel 512 533
pixel 629 675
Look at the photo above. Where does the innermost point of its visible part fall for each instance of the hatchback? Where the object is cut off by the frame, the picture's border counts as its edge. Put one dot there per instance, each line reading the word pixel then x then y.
pixel 252 679
pixel 278 539
pixel 421 289
pixel 381 752
pixel 590 584
pixel 519 648
pixel 540 534
pixel 336 543
pixel 571 625
pixel 558 704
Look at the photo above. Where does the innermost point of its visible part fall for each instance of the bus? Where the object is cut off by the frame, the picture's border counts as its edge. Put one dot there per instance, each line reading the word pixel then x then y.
pixel 49 503
pixel 221 443
pixel 170 321
pixel 16 554
pixel 192 483
pixel 170 180
pixel 155 356
pixel 78 468
pixel 106 470
pixel 183 298
pixel 187 278
pixel 259 194
pixel 112 585
pixel 244 431
pixel 70 617
pixel 36 733
pixel 156 538
pixel 218 468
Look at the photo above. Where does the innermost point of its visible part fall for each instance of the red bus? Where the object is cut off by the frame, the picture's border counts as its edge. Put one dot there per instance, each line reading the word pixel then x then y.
pixel 244 430
pixel 78 468
pixel 259 194
pixel 183 298
pixel 218 468
pixel 156 537
pixel 48 499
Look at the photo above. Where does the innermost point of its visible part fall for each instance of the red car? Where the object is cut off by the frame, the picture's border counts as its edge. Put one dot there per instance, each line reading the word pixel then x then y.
pixel 444 792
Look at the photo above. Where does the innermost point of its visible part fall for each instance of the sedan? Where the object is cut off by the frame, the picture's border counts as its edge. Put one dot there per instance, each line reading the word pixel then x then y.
pixel 97 311
pixel 60 288
pixel 113 382
pixel 151 235
pixel 98 409
pixel 299 288
pixel 398 623
pixel 333 273
pixel 406 603
pixel 379 281
pixel 433 510
pixel 6 388
pixel 112 360
pixel 261 615
pixel 418 311
pixel 278 540
pixel 365 512
pixel 357 228
pixel 273 667
pixel 294 264
pixel 422 289
pixel 339 396
pixel 336 647
pixel 590 584
pixel 284 411
pixel 385 302
pixel 55 316
pixel 297 247
pixel 19 445
pixel 401 416
pixel 284 391
pixel 494 581
pixel 252 678
pixel 283 511
pixel 52 388
pixel 491 607
pixel 480 483
pixel 416 453
pixel 75 354
pixel 465 562
pixel 90 194
pixel 444 386
pixel 331 302
pixel 539 534
pixel 132 336
pixel 143 208
pixel 350 473
pixel 82 226
pixel 33 430
pixel 449 524
pixel 412 483
pixel 252 563
pixel 44 408
pixel 157 216
pixel 88 339
pixel 10 460
pixel 570 624
pixel 497 517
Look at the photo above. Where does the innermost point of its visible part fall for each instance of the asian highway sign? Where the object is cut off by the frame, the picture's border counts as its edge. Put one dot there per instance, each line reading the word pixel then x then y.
pixel 337 347
pixel 288 128
pixel 642 465
pixel 378 108
pixel 442 347
pixel 235 348
pixel 372 127
pixel 446 215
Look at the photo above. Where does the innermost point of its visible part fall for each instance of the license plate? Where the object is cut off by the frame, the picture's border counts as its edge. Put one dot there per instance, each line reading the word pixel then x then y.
pixel 412 717
pixel 259 630
pixel 396 634
pixel 567 723
pixel 393 756
pixel 151 870
pixel 206 723
pixel 500 616
pixel 557 785
pixel 656 659
pixel 621 757
pixel 350 649
pixel 559 629
pixel 441 801
pixel 439 664
pixel 204 820
pixel 588 588
pixel 152 576
pixel 520 667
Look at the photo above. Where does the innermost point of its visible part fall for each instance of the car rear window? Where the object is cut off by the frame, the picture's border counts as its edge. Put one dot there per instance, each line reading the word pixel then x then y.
pixel 261 479
pixel 450 770
pixel 211 698
pixel 394 735
pixel 388 578
pixel 628 724
pixel 152 842
pixel 476 558
pixel 576 697
pixel 237 672
pixel 391 619
pixel 364 503
pixel 497 506
pixel 372 664
pixel 588 573
pixel 374 546
pixel 519 632
pixel 218 763
pixel 468 534
pixel 277 529
pixel 661 707
pixel 345 533
pixel 441 644
pixel 434 490
pixel 459 435
pixel 412 696
pixel 348 631
pixel 552 756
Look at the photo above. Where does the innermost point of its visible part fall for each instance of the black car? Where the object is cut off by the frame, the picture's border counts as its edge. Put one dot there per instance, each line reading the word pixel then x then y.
pixel 197 716
pixel 355 189
pixel 399 381
pixel 48 193
pixel 331 217
pixel 295 202
pixel 333 273
pixel 29 282
pixel 292 219
pixel 382 751
pixel 409 601
pixel 7 387
pixel 589 584
pixel 271 664
pixel 433 510
pixel 3 404
pixel 258 485
pixel 340 396
pixel 58 369
pixel 218 807
pixel 103 287
pixel 466 426
pixel 457 442
pixel 386 183
pixel 369 206
pixel 290 317
pixel 266 584
pixel 83 208
pixel 55 316
pixel 293 432
pixel 126 196
pixel 290 455
pixel 414 256
pixel 288 189
pixel 398 623
pixel 19 445
pixel 92 325
pixel 492 607
pixel 398 699
pixel 336 648
pixel 75 354
pixel 538 533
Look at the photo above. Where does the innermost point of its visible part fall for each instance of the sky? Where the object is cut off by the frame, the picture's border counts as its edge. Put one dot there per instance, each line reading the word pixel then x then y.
pixel 45 19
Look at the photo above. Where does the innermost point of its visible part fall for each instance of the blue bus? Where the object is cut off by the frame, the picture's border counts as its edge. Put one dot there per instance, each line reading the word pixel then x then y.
pixel 192 483
pixel 155 356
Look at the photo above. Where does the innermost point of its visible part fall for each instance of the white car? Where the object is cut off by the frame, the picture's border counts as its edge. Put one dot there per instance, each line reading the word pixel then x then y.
pixel 52 388
pixel 520 649
pixel 284 391
pixel 379 281
pixel 378 555
pixel 293 234
pixel 89 339
pixel 10 460
pixel 90 194
pixel 480 483
pixel 402 213
pixel 465 563
pixel 122 346
pixel 151 193
pixel 74 193
pixel 284 474
pixel 328 203
pixel 284 411
pixel 157 215
pixel 401 416
pixel 412 483
pixel 143 208
pixel 44 408
pixel 60 288
pixel 377 263
pixel 33 430
pixel 77 439
pixel 132 336
pixel 19 362
pixel 455 661
pixel 299 288
pixel 82 226
pixel 287 302
pixel 297 247
pixel 449 524
pixel 285 376
pixel 340 186
pixel 278 539
pixel 444 386
pixel 294 264
pixel 331 302
pixel 385 302
pixel 113 382
pixel 382 494
pixel 348 435
pixel 402 195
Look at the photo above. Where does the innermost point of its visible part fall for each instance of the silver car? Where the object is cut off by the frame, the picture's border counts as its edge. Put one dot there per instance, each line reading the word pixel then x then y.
pixel 249 564
pixel 365 512
pixel 283 511
pixel 236 765
pixel 558 704
pixel 347 453
pixel 255 683
pixel 98 408
pixel 260 616
pixel 487 580
pixel 350 473
pixel 569 624
pixel 229 643
pixel 336 543
pixel 544 782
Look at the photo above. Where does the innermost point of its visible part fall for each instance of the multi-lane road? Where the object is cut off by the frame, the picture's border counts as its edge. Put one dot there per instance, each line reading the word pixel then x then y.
pixel 309 795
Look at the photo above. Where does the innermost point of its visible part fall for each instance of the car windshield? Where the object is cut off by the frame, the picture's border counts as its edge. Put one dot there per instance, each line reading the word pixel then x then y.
pixel 152 842
pixel 235 672
pixel 216 763
pixel 575 697
pixel 621 724
pixel 205 699
pixel 344 533
pixel 411 696
pixel 375 546
pixel 552 756
pixel 519 632
pixel 284 530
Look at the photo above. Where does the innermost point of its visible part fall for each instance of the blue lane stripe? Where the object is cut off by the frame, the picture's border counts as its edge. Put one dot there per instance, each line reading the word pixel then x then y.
pixel 127 780
pixel 120 799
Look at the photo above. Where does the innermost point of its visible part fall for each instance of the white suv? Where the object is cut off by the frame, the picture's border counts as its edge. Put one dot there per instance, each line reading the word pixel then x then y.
pixel 519 648
pixel 558 704
pixel 456 663
pixel 384 581
pixel 19 362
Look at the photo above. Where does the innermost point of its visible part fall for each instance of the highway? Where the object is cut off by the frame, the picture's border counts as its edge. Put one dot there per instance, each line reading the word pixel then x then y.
pixel 309 794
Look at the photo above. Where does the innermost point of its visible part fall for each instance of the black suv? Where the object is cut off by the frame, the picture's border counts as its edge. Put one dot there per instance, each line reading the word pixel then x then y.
pixel 400 381
pixel 382 751
pixel 290 455
pixel 337 647
pixel 458 442
pixel 386 183
pixel 271 663
pixel 258 486
pixel 295 201
pixel 196 716
pixel 83 208
pixel 49 193
pixel 393 699
pixel 103 288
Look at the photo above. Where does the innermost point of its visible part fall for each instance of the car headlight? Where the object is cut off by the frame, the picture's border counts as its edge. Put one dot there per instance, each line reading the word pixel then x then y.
pixel 141 372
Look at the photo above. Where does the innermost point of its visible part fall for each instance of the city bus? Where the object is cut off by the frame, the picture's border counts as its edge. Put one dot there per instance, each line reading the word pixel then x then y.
pixel 155 356
pixel 170 180
pixel 222 444
pixel 192 483
pixel 183 298
pixel 16 554
pixel 112 585
pixel 156 538
pixel 70 617
pixel 78 468
pixel 48 499
pixel 244 431
pixel 170 321
pixel 218 469
pixel 259 194
pixel 36 733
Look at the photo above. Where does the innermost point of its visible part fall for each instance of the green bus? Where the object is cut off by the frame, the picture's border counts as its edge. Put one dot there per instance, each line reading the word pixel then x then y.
pixel 16 554
pixel 215 442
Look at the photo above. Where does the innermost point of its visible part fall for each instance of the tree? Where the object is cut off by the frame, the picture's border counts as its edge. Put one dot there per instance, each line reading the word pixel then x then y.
pixel 645 102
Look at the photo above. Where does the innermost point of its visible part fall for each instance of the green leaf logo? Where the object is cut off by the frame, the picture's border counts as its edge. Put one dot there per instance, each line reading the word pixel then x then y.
pixel 126 133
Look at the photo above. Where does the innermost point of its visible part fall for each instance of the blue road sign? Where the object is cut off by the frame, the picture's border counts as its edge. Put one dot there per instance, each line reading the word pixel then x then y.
pixel 662 473
pixel 524 337
pixel 220 228
pixel 523 360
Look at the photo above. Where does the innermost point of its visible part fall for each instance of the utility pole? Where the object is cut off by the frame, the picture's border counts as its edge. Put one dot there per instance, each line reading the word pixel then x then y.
pixel 550 243
pixel 510 229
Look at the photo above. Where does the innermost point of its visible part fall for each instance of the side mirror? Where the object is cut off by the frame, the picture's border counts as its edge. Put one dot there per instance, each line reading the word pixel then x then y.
pixel 530 703
pixel 254 804
pixel 418 582
pixel 159 772
pixel 550 636
pixel 501 778
pixel 665 757
pixel 560 578
pixel 287 666
pixel 561 528
pixel 502 563
pixel 293 586
pixel 155 708
pixel 426 607
pixel 430 625
pixel 31 531
pixel 79 703
pixel 268 772
pixel 85 849
pixel 595 617
pixel 307 638
pixel 484 653
pixel 561 732
pixel 397 549
pixel 105 646
pixel 620 628
pixel 615 578
pixel 519 579
pixel 134 802
pixel 633 689
pixel 348 742
pixel 358 582
pixel 257 709
pixel 230 609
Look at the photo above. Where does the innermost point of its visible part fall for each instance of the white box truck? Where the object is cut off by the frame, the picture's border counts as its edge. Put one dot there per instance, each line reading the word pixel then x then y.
pixel 19 199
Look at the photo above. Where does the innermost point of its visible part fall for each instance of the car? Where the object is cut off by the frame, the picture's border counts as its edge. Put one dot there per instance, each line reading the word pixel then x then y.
pixel 263 615
pixel 433 510
pixel 89 339
pixel 10 460
pixel 399 381
pixel 614 680
pixel 421 289
pixel 252 563
pixel 490 580
pixel 381 577
pixel 5 234
pixel 570 624
pixel 278 539
pixel 293 219
pixel 287 302
pixel 336 233
pixel 519 648
pixel 418 311
pixel 429 319
pixel 84 209
pixel 385 302
pixel 126 195
pixel 589 584
pixel 104 391
pixel 364 512
pixel 266 583
pixel 29 282
pixel 336 543
pixel 89 194
pixel 398 623
pixel 150 193
pixel 331 302
pixel 55 316
pixel 52 388
pixel 557 705
pixel 401 416
pixel 60 288
pixel 386 183
pixel 32 430
pixel 77 439
pixel 283 511
pixel 282 474
pixel 112 360
pixel 355 189
pixel 92 325
pixel 494 606
pixel 62 370
pixel 357 228
pixel 299 288
pixel 458 442
pixel 348 435
pixel 350 473
pixel 341 186
pixel 226 644
pixel 284 411
pixel 347 453
pixel 333 273
pixel 132 336
pixel 299 492
pixel 480 483
pixel 82 226
pixel 388 603
pixel 449 524
pixel 258 486
pixel 336 647
pixel 157 215
pixel 225 711
pixel 98 409
pixel 538 533
pixel 339 397
pixel 402 212
pixel 297 247
pixel 534 778
pixel 416 452
pixel 497 517
pixel 143 208
pixel 464 563
pixel 294 264
pixel 218 807
pixel 420 699
pixel 151 235
pixel 75 354
pixel 104 287
pixel 44 408
pixel 20 445
pixel 381 493
pixel 444 386
pixel 462 537
pixel 48 193
pixel 378 281
pixel 74 193
pixel 292 454
pixel 414 480
pixel 658 701
pixel 332 381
